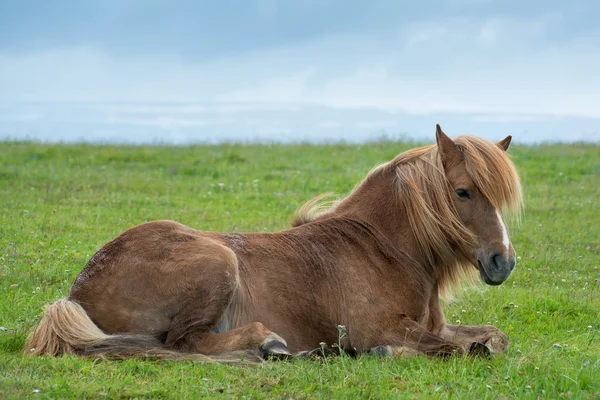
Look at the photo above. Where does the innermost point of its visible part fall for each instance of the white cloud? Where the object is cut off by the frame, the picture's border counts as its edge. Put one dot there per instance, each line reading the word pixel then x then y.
pixel 495 66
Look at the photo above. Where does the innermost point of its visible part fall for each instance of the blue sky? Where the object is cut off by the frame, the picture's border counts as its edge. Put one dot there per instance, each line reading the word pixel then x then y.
pixel 458 56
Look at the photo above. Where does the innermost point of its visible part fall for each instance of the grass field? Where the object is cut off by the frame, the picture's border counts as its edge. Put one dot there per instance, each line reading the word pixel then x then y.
pixel 61 203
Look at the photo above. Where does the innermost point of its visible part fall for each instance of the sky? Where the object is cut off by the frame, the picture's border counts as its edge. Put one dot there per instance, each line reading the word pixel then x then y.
pixel 514 59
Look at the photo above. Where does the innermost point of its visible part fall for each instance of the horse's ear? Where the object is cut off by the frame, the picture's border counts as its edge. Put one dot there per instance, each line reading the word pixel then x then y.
pixel 504 143
pixel 449 152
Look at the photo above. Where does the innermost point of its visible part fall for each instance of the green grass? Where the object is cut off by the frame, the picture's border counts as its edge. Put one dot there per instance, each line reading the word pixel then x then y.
pixel 61 203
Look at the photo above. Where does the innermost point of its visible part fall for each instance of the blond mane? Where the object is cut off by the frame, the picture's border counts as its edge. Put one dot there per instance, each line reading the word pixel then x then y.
pixel 313 209
pixel 423 191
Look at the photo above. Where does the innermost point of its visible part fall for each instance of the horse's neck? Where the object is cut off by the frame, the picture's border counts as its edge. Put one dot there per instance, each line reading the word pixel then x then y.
pixel 375 202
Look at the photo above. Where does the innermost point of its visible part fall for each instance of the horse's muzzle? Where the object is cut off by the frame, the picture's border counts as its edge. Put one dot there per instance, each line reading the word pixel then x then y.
pixel 496 269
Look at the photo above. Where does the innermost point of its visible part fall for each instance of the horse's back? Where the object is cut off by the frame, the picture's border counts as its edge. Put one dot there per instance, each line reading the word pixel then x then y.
pixel 139 281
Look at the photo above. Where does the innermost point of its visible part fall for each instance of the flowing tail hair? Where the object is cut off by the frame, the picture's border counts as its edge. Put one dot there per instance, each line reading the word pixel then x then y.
pixel 65 328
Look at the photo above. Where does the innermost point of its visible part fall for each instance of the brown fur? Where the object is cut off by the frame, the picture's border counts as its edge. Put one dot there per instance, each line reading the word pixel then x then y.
pixel 374 262
pixel 423 189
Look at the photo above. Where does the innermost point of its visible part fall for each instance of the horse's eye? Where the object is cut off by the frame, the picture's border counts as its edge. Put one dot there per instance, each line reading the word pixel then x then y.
pixel 463 194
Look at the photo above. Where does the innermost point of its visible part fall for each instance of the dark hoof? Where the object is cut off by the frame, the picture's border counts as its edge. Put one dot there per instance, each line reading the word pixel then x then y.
pixel 382 351
pixel 274 349
pixel 479 350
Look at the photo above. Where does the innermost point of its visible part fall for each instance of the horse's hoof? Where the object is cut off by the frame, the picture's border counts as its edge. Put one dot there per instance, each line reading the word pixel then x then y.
pixel 382 351
pixel 275 349
pixel 497 343
pixel 479 350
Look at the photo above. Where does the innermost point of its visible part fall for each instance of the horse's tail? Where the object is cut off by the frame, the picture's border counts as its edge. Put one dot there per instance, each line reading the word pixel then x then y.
pixel 65 328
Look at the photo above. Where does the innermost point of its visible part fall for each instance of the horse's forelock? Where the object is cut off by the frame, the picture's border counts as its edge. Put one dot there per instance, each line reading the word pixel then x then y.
pixel 492 171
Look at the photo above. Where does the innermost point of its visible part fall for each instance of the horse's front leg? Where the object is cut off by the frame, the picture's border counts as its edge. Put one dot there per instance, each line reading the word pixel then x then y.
pixel 475 338
pixel 409 338
pixel 490 336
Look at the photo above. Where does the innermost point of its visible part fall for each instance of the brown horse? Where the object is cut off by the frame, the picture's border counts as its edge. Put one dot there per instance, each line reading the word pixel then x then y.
pixel 375 262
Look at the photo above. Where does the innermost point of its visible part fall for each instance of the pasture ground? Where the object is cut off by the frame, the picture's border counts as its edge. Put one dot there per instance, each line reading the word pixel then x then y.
pixel 60 203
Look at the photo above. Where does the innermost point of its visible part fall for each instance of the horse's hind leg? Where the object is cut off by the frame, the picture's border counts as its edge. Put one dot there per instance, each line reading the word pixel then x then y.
pixel 211 283
pixel 190 332
pixel 252 337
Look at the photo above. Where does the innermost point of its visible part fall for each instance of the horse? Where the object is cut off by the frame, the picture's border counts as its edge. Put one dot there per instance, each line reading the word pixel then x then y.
pixel 375 263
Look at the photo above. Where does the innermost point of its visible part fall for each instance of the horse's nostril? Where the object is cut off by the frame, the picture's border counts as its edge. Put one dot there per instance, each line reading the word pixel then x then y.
pixel 497 260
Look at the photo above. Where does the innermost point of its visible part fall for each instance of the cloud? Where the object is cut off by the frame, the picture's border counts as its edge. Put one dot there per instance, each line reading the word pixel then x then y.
pixel 493 65
pixel 498 65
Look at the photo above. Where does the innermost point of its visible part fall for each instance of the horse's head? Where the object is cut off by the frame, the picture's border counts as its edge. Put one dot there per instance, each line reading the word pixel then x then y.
pixel 492 251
